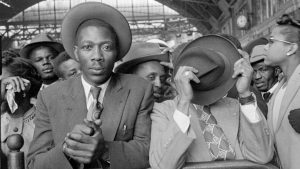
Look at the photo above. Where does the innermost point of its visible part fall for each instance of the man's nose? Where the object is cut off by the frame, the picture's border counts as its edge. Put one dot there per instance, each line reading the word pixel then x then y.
pixel 257 75
pixel 157 82
pixel 98 55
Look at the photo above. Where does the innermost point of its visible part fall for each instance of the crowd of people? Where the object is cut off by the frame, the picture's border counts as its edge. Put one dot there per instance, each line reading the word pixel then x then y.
pixel 97 100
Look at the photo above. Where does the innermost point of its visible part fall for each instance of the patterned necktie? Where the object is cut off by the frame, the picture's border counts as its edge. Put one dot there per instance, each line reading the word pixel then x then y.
pixel 267 96
pixel 96 107
pixel 218 144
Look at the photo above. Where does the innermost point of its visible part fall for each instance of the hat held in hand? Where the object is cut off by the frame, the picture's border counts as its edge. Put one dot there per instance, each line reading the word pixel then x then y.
pixel 214 57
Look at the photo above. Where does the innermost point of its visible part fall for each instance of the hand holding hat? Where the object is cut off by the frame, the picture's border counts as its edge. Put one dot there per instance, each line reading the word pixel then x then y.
pixel 182 79
pixel 243 72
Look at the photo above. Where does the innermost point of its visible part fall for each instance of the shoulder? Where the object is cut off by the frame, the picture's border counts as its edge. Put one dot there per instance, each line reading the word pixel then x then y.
pixel 165 108
pixel 226 101
pixel 132 81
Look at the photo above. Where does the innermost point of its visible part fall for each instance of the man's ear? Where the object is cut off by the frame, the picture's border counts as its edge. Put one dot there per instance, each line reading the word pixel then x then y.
pixel 293 49
pixel 75 53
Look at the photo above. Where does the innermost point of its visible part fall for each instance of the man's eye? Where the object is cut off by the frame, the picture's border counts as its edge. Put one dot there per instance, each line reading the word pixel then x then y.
pixel 87 47
pixel 151 77
pixel 107 47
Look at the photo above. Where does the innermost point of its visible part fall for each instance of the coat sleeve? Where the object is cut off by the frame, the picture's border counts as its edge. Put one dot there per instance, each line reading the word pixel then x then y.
pixel 255 139
pixel 168 143
pixel 135 153
pixel 43 153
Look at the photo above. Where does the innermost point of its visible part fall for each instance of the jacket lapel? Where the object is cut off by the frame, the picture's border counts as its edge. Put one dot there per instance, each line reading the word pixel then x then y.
pixel 75 102
pixel 113 103
pixel 291 90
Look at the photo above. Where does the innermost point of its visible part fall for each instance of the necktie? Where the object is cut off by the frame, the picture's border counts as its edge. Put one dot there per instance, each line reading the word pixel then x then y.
pixel 96 107
pixel 267 96
pixel 220 148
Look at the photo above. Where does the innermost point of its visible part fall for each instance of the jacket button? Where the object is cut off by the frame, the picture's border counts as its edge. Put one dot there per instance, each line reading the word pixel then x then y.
pixel 15 129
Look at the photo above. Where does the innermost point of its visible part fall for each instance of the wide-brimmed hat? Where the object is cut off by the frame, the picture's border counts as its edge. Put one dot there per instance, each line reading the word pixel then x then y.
pixel 141 52
pixel 214 57
pixel 95 10
pixel 258 54
pixel 42 39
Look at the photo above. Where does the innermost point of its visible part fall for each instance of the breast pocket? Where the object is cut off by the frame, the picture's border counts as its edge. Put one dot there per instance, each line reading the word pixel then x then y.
pixel 125 133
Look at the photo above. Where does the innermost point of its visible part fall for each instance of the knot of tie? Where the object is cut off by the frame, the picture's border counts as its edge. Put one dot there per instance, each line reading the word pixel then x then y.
pixel 267 96
pixel 95 92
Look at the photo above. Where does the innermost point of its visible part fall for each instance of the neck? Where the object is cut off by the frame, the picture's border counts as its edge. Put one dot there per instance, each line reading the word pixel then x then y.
pixel 49 81
pixel 290 65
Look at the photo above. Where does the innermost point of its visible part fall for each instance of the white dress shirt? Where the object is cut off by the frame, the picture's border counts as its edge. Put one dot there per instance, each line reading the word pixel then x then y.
pixel 87 91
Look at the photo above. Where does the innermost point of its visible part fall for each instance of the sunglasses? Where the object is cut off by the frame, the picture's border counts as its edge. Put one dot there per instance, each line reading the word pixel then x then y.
pixel 286 19
pixel 271 41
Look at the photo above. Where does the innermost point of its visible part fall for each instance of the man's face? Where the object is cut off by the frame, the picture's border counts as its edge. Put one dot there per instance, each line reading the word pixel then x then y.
pixel 69 68
pixel 41 58
pixel 96 52
pixel 264 77
pixel 155 73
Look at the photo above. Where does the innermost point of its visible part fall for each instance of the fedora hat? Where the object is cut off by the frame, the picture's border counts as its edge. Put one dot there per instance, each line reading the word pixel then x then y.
pixel 95 10
pixel 141 52
pixel 260 41
pixel 39 40
pixel 258 54
pixel 214 57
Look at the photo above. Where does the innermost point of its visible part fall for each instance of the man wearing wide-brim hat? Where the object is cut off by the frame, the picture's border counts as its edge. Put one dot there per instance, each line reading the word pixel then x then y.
pixel 265 77
pixel 202 125
pixel 41 50
pixel 98 119
pixel 143 59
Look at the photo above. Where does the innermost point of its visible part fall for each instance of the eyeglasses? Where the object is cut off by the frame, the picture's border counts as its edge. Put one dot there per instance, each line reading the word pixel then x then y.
pixel 286 19
pixel 271 41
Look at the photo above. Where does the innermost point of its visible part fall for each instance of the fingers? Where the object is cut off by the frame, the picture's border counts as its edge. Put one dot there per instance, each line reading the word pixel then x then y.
pixel 82 129
pixel 244 54
pixel 242 67
pixel 18 84
pixel 187 73
pixel 78 155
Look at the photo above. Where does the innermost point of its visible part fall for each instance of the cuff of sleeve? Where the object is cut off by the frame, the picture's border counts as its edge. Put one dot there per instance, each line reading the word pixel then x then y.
pixel 250 111
pixel 182 120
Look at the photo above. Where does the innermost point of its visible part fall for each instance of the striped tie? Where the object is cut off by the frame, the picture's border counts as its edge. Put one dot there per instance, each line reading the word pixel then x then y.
pixel 96 107
pixel 218 144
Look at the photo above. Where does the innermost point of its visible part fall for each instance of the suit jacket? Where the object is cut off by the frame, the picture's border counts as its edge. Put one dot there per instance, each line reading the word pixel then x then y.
pixel 170 148
pixel 286 139
pixel 125 119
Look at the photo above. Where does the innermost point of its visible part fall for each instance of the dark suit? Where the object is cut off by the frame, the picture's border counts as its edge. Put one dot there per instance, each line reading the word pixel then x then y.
pixel 125 122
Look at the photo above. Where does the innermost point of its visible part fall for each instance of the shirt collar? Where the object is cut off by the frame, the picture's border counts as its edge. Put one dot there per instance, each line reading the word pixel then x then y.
pixel 273 88
pixel 87 87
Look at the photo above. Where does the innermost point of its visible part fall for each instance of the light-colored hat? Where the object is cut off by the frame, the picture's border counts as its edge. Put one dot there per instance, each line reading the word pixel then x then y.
pixel 95 10
pixel 258 53
pixel 141 52
pixel 39 40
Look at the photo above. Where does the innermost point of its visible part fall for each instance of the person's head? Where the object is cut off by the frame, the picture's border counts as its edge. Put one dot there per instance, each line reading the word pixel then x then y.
pixel 143 59
pixel 16 66
pixel 65 67
pixel 41 58
pixel 155 73
pixel 264 76
pixel 96 35
pixel 96 50
pixel 284 42
pixel 41 51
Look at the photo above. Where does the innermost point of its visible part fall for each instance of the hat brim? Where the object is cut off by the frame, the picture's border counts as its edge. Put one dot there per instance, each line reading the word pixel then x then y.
pixel 28 48
pixel 226 48
pixel 126 66
pixel 100 11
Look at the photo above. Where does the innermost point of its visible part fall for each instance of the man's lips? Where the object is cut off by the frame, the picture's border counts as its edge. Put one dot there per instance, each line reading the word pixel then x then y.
pixel 259 84
pixel 47 70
